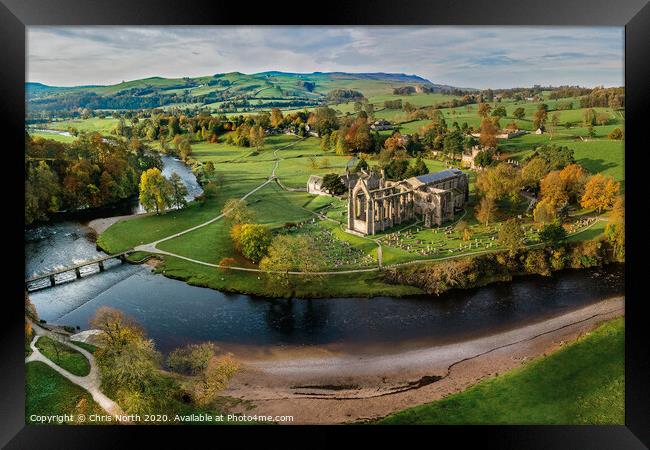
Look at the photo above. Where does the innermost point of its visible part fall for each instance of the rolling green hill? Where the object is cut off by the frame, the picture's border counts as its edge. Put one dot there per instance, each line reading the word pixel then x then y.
pixel 225 91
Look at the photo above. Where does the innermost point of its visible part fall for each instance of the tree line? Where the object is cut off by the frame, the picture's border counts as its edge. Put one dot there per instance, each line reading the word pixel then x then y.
pixel 87 173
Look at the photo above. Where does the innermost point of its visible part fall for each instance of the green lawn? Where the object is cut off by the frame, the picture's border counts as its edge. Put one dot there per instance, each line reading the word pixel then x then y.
pixel 239 170
pixel 582 383
pixel 53 136
pixel 88 347
pixel 366 284
pixel 50 394
pixel 103 126
pixel 67 358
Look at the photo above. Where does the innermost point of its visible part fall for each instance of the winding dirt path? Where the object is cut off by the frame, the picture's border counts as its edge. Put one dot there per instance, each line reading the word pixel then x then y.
pixel 319 386
pixel 90 382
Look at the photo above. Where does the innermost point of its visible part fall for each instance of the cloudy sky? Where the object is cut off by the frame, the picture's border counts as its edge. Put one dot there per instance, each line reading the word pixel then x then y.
pixel 478 57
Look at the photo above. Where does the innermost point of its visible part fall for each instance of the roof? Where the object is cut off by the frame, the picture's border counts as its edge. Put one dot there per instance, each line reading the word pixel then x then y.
pixel 315 179
pixel 438 176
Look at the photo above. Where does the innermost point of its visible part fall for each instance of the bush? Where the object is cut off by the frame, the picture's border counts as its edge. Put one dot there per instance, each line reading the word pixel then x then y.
pixel 537 262
pixel 191 359
pixel 251 240
pixel 210 190
pixel 616 134
pixel 552 232
pixel 436 278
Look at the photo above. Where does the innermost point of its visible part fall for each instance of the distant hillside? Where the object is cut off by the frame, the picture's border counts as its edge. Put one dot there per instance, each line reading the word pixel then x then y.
pixel 221 92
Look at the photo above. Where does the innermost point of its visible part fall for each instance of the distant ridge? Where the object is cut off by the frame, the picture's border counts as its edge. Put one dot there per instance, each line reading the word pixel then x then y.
pixel 240 91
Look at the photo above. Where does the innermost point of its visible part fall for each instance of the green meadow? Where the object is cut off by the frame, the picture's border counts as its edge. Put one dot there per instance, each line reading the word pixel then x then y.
pixel 48 393
pixel 582 383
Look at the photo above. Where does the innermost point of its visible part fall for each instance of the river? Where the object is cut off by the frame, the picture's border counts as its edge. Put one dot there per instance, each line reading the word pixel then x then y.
pixel 174 313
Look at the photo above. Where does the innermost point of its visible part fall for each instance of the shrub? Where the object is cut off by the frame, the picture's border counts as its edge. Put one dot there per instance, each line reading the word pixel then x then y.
pixel 536 262
pixel 191 359
pixel 558 259
pixel 616 134
pixel 552 232
pixel 251 240
pixel 211 190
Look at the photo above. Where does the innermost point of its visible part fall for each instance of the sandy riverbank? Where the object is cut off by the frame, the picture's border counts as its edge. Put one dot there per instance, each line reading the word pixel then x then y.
pixel 101 225
pixel 329 387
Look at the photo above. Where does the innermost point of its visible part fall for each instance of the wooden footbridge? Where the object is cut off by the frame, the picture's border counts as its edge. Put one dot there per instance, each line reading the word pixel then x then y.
pixel 76 268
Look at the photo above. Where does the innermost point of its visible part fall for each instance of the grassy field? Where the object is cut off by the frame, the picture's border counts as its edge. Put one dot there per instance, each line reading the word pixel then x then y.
pixel 63 356
pixel 103 126
pixel 242 169
pixel 54 136
pixel 365 284
pixel 50 394
pixel 583 383
pixel 88 347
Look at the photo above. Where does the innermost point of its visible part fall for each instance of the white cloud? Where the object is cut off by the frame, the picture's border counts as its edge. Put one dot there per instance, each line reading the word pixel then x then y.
pixel 461 56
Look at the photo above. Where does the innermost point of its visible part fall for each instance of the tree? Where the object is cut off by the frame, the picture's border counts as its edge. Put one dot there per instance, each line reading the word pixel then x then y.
pixel 178 191
pixel 555 121
pixel 511 235
pixel 616 134
pixel 291 253
pixel 191 359
pixel 155 191
pixel 486 210
pixel 574 177
pixel 212 380
pixel 519 113
pixel 253 240
pixel 545 211
pixel 589 116
pixel 395 142
pixel 556 156
pixel 418 168
pixel 126 359
pixel 211 190
pixel 552 232
pixel 397 169
pixel 237 211
pixel 533 172
pixel 488 136
pixel 325 120
pixel 325 144
pixel 209 168
pixel 256 137
pixel 183 146
pixel 600 192
pixel 499 181
pixel 333 184
pixel 499 111
pixel 540 116
pixel 453 143
pixel 41 193
pixel 590 131
pixel 553 189
pixel 615 229
pixel 276 117
pixel 362 164
pixel 484 109
pixel 483 158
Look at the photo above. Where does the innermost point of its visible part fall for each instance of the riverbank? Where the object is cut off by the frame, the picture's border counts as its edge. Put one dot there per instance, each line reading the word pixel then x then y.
pixel 102 224
pixel 331 387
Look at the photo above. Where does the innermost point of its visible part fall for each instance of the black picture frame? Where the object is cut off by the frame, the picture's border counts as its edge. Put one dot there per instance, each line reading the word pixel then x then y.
pixel 15 15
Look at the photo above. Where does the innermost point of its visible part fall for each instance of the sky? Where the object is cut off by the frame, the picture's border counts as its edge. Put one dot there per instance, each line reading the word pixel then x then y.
pixel 475 57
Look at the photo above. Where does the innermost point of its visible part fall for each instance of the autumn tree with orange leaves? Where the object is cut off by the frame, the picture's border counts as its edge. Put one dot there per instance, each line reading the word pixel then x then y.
pixel 600 193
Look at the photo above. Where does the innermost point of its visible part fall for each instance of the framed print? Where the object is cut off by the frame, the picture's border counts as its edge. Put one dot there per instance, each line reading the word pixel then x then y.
pixel 349 216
